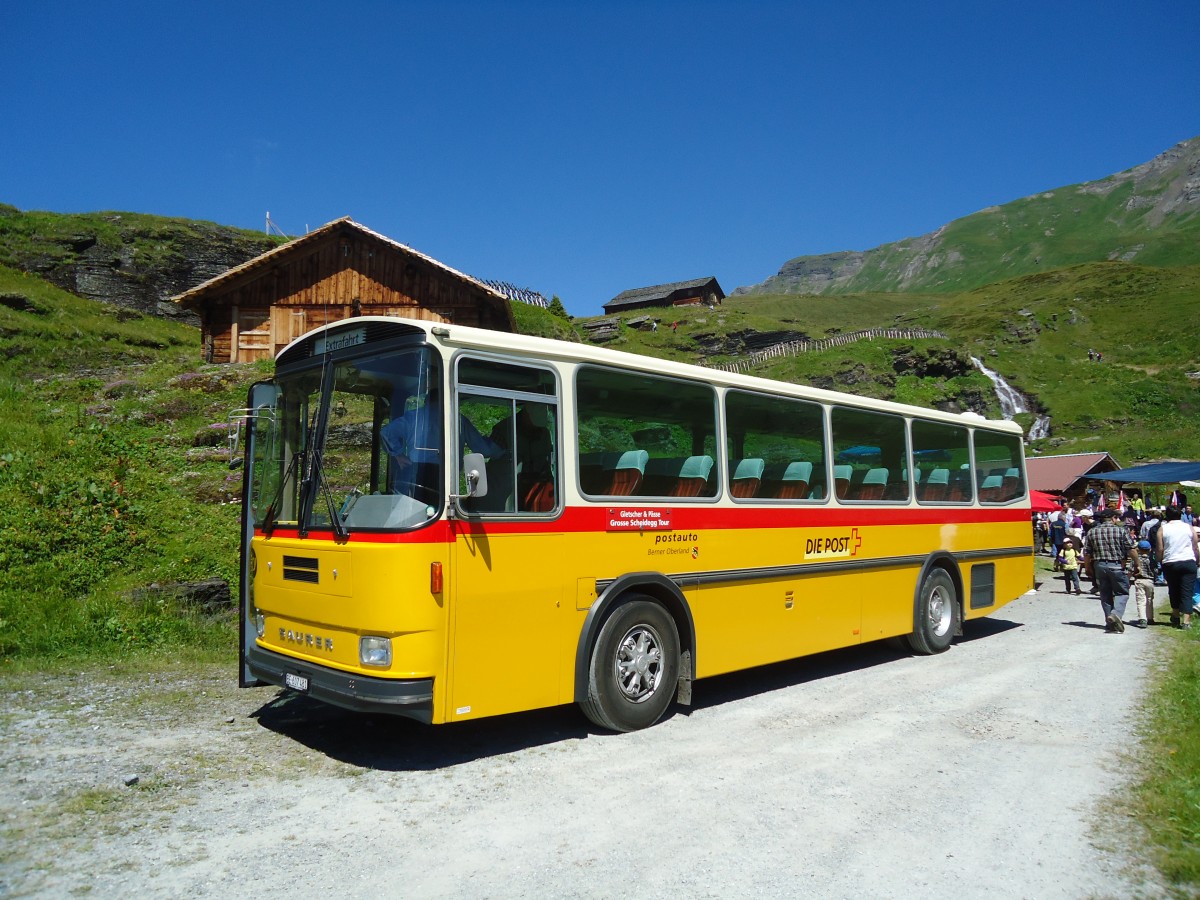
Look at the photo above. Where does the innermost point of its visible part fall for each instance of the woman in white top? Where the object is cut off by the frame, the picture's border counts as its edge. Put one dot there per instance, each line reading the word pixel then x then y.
pixel 1178 550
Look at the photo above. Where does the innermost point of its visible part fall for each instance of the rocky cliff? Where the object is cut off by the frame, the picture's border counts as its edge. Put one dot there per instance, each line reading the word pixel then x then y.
pixel 127 259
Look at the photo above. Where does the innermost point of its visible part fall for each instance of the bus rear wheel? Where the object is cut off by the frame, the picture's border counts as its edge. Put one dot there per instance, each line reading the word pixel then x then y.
pixel 937 614
pixel 634 669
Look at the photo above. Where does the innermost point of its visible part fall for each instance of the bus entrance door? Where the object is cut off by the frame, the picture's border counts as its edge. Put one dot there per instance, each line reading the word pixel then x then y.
pixel 260 472
pixel 505 646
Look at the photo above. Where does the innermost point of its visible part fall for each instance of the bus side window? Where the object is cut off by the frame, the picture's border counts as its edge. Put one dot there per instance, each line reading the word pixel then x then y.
pixel 515 406
pixel 1001 475
pixel 644 435
pixel 870 451
pixel 943 449
pixel 775 448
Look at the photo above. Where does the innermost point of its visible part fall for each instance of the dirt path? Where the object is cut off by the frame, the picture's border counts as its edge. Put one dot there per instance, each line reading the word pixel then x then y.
pixel 984 771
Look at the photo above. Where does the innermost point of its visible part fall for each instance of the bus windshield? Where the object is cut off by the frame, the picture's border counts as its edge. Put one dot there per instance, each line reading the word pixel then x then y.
pixel 354 444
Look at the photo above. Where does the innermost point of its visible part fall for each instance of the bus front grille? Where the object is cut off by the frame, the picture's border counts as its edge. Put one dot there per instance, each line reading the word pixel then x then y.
pixel 301 568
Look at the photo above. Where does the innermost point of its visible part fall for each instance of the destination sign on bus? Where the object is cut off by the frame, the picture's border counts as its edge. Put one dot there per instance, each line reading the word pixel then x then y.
pixel 624 518
pixel 328 343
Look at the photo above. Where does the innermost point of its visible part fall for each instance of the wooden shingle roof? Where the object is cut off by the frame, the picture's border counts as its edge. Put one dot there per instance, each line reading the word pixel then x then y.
pixel 189 298
pixel 1057 473
pixel 658 292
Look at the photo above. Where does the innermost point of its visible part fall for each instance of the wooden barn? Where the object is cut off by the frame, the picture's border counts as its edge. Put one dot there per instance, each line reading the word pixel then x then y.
pixel 340 270
pixel 678 293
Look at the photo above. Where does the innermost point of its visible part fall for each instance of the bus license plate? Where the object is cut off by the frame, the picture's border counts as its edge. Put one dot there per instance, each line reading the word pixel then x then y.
pixel 295 682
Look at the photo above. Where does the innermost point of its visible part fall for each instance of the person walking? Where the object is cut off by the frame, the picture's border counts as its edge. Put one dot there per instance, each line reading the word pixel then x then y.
pixel 1106 548
pixel 1143 585
pixel 1068 558
pixel 1178 551
pixel 1085 525
pixel 1041 532
pixel 1076 527
pixel 1058 534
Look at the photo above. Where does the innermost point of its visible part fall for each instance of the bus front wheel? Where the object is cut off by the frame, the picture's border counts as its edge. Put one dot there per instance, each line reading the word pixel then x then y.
pixel 634 668
pixel 936 620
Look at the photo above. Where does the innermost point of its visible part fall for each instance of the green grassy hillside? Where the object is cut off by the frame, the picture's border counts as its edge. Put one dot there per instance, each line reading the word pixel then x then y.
pixel 1148 214
pixel 1035 331
pixel 112 474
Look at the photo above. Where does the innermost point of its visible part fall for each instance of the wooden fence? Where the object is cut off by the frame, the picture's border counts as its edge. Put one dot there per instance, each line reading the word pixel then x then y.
pixel 793 348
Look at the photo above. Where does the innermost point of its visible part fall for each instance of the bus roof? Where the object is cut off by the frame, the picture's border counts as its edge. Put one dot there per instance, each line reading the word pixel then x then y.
pixel 488 340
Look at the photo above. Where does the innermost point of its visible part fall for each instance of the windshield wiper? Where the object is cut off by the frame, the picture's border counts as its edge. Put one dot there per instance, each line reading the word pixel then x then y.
pixel 340 531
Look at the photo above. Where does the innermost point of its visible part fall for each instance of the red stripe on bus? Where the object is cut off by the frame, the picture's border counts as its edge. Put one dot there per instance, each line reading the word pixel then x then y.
pixel 583 519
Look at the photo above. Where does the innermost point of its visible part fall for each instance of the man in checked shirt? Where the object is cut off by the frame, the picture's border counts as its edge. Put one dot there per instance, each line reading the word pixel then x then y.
pixel 1106 548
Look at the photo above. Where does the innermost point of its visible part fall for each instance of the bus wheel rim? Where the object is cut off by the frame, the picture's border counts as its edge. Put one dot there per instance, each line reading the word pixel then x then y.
pixel 939 611
pixel 638 666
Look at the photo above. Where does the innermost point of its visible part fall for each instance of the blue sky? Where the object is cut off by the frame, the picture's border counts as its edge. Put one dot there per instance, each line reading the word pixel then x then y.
pixel 581 149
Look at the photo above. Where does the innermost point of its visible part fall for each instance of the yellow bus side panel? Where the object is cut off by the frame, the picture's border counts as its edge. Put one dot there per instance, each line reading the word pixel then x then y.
pixel 504 633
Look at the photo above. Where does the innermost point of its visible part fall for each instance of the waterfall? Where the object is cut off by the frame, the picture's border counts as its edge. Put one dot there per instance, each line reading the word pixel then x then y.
pixel 1013 402
pixel 1040 428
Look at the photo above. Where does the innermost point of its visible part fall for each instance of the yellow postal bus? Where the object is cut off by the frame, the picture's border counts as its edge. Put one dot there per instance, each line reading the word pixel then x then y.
pixel 447 523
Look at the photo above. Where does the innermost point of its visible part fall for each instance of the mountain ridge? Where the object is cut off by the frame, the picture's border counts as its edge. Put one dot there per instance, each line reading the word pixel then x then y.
pixel 1149 213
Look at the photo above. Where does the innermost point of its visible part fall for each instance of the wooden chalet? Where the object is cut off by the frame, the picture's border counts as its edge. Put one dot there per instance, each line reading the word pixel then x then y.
pixel 340 270
pixel 1069 475
pixel 696 292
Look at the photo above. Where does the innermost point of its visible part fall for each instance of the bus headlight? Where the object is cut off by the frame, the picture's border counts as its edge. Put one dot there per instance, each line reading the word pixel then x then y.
pixel 375 651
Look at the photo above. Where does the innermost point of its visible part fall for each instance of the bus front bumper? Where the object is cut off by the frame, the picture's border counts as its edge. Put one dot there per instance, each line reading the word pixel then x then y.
pixel 410 698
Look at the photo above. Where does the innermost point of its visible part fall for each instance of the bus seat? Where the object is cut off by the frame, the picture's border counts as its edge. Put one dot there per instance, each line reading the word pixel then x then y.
pixel 660 476
pixel 746 477
pixel 676 476
pixel 873 485
pixel 693 476
pixel 991 489
pixel 627 473
pixel 841 480
pixel 595 471
pixel 1012 484
pixel 794 483
pixel 936 486
pixel 539 497
pixel 961 489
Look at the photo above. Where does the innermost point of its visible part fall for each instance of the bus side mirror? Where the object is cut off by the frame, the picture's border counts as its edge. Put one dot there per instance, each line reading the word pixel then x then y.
pixel 475 469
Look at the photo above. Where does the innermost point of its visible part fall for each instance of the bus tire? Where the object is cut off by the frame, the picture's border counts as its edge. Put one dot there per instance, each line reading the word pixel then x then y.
pixel 634 668
pixel 936 620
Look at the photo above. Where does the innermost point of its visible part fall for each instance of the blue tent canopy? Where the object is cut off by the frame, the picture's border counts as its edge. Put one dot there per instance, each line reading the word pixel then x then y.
pixel 859 453
pixel 1156 473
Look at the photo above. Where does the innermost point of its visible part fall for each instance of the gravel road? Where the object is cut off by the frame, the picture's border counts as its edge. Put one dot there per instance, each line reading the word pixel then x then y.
pixel 987 771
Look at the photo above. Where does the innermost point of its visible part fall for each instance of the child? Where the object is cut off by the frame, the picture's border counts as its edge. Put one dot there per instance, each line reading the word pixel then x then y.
pixel 1068 559
pixel 1143 585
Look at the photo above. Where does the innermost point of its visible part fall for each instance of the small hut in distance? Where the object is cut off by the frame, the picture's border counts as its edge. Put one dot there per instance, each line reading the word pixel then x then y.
pixel 697 292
